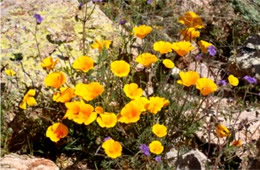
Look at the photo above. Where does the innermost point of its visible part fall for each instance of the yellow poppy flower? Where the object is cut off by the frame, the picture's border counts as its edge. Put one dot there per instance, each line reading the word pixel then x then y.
pixel 190 33
pixel 163 47
pixel 86 114
pixel 159 130
pixel 146 59
pixel 28 99
pixel 155 104
pixel 120 68
pixel 57 131
pixel 204 45
pixel 65 94
pixel 99 109
pixel 168 63
pixel 132 91
pixel 222 131
pixel 156 147
pixel 107 120
pixel 188 78
pixel 49 63
pixel 55 79
pixel 233 80
pixel 142 31
pixel 80 112
pixel 206 86
pixel 73 109
pixel 237 143
pixel 10 72
pixel 191 19
pixel 182 47
pixel 89 91
pixel 113 149
pixel 166 102
pixel 130 113
pixel 143 102
pixel 101 44
pixel 83 63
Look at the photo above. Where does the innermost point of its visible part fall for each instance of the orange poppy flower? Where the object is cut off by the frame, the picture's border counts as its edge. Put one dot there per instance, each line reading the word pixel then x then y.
pixel 156 104
pixel 113 149
pixel 73 109
pixel 107 120
pixel 28 99
pixel 132 91
pixel 206 86
pixel 237 143
pixel 65 94
pixel 159 130
pixel 101 44
pixel 89 91
pixel 57 131
pixel 189 33
pixel 49 63
pixel 204 45
pixel 143 102
pixel 120 68
pixel 99 109
pixel 168 63
pixel 188 78
pixel 222 131
pixel 142 31
pixel 182 47
pixel 146 59
pixel 86 114
pixel 163 47
pixel 83 63
pixel 191 19
pixel 55 79
pixel 156 147
pixel 233 80
pixel 10 72
pixel 130 113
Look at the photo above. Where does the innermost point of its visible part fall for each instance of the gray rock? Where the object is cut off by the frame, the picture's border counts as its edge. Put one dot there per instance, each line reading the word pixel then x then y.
pixel 194 159
pixel 246 59
pixel 171 156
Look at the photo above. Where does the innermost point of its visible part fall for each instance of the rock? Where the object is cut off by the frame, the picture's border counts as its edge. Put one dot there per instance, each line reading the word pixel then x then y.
pixel 248 125
pixel 26 162
pixel 206 70
pixel 245 60
pixel 194 159
pixel 59 25
pixel 224 111
pixel 195 4
pixel 171 156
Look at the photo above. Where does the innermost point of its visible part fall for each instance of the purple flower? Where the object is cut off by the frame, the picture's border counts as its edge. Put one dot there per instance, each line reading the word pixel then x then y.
pixel 212 50
pixel 145 149
pixel 158 158
pixel 250 79
pixel 149 1
pixel 199 56
pixel 107 138
pixel 38 18
pixel 122 22
pixel 259 94
pixel 80 5
pixel 222 82
pixel 97 0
